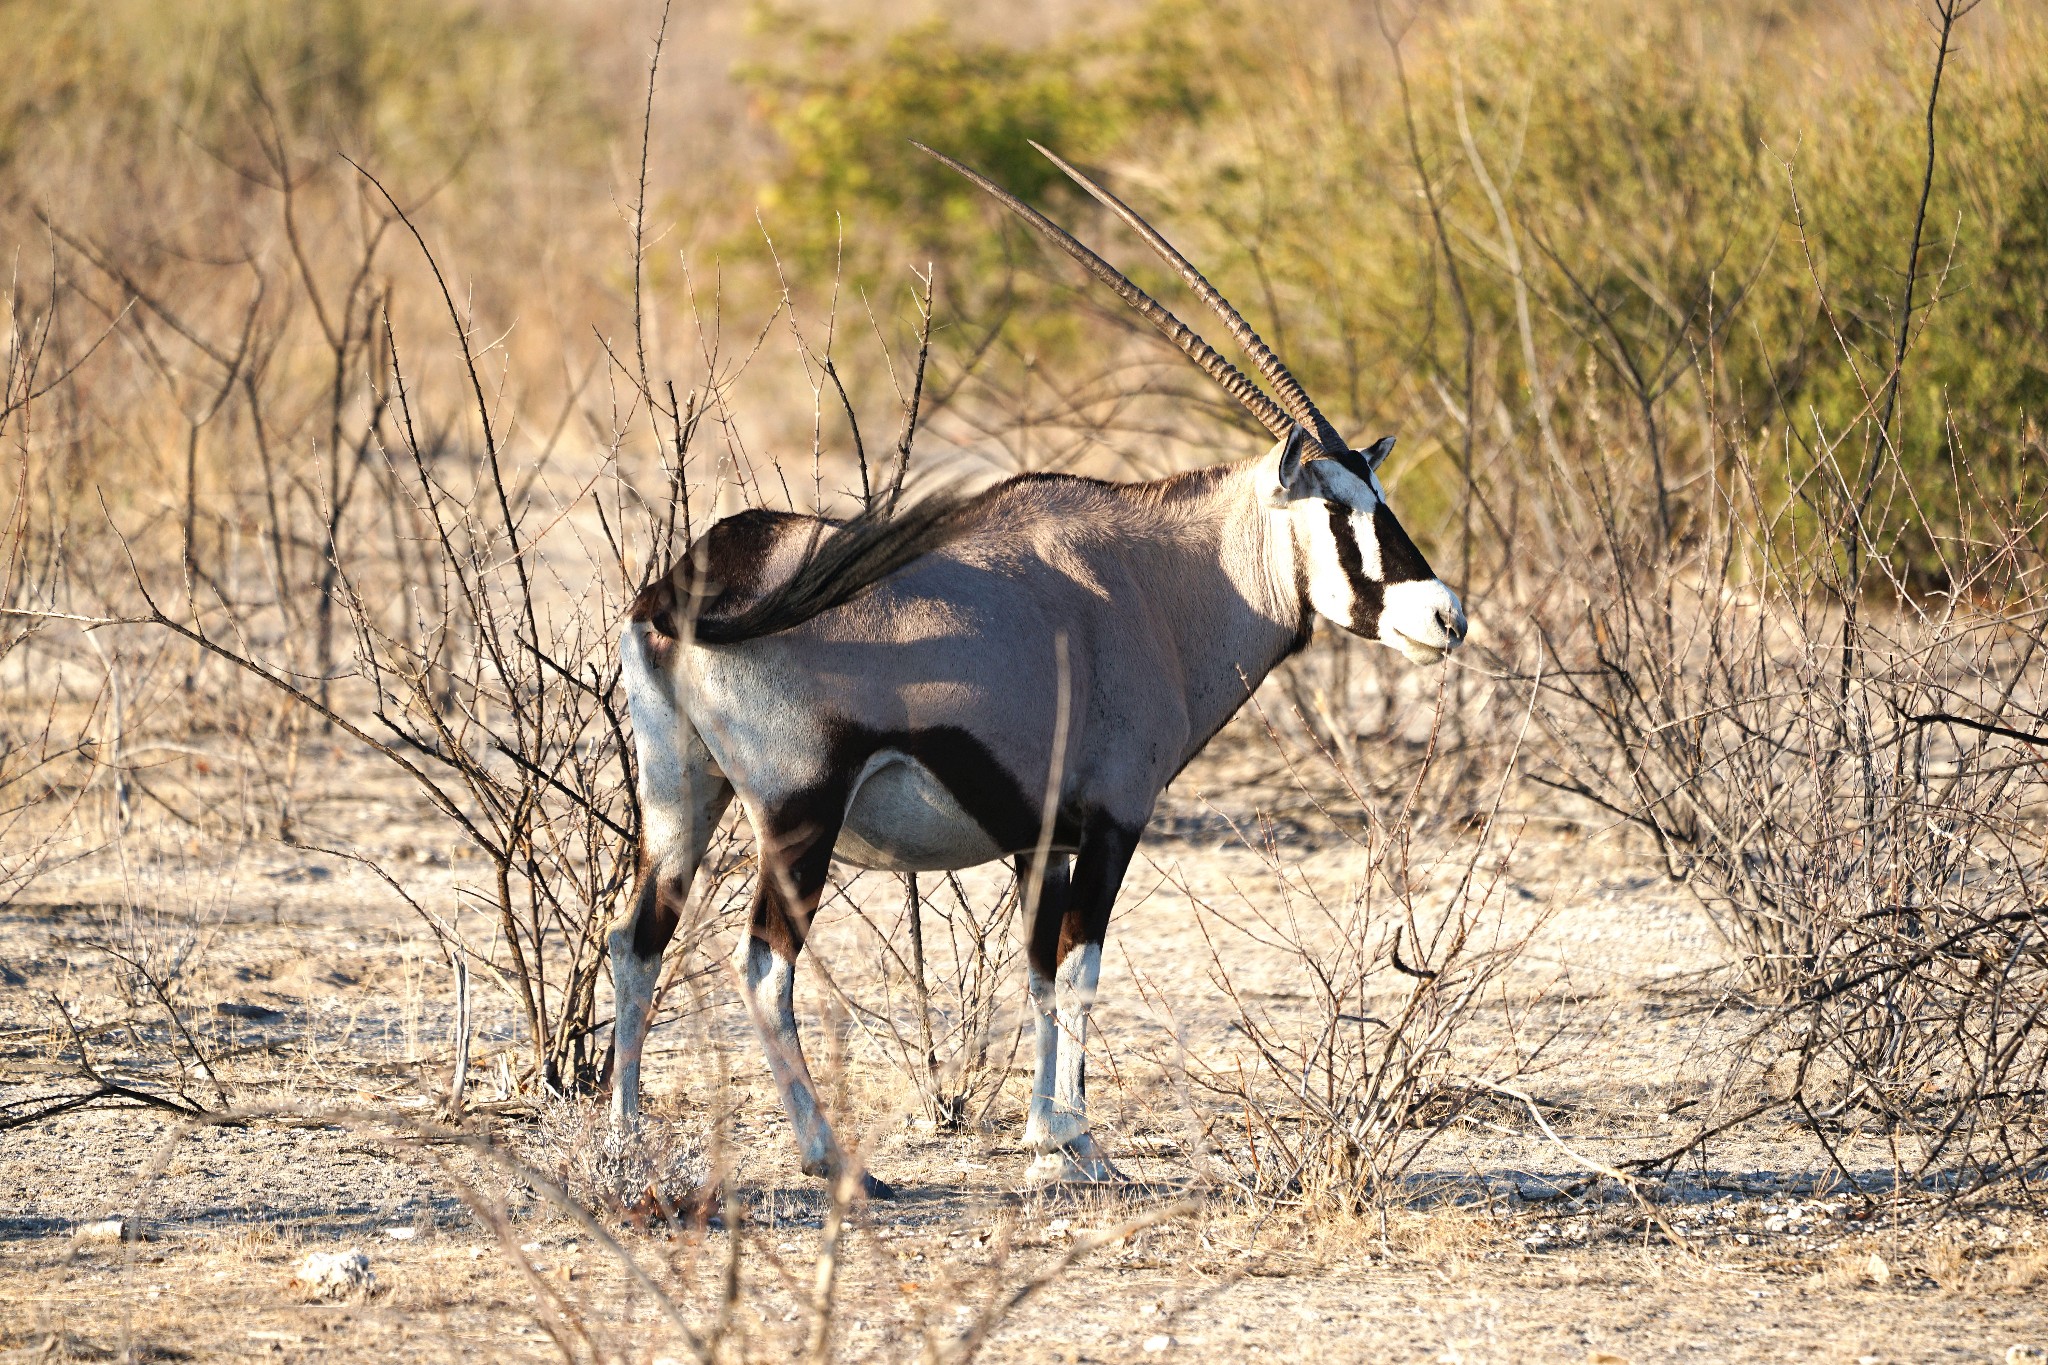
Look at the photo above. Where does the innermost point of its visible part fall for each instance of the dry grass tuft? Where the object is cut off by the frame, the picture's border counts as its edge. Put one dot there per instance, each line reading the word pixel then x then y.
pixel 653 1170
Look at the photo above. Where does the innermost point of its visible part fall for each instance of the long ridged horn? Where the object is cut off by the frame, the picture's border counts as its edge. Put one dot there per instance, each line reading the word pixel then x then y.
pixel 1290 393
pixel 1269 414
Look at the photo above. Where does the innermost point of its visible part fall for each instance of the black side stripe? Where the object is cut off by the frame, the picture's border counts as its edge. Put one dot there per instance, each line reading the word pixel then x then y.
pixel 989 793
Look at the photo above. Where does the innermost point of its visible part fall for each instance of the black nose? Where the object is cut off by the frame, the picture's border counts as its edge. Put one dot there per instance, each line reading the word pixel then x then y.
pixel 1453 625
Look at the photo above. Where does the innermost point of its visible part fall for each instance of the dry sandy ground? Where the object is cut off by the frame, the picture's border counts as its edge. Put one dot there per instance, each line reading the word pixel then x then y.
pixel 1486 1263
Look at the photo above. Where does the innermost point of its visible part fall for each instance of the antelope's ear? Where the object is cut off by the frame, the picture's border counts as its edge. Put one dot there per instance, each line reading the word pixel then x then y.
pixel 1281 475
pixel 1376 453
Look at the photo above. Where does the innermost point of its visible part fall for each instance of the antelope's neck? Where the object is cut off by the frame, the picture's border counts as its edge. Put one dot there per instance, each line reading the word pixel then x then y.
pixel 1255 611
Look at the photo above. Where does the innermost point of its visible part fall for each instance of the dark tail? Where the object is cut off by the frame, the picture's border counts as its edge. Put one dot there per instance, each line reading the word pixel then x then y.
pixel 842 562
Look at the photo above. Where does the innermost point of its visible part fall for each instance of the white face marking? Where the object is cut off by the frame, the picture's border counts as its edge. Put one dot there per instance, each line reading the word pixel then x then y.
pixel 1368 537
pixel 1329 586
pixel 1342 494
pixel 1422 619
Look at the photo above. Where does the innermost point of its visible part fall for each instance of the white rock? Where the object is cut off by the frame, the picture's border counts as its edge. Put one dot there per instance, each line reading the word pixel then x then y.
pixel 335 1274
pixel 1155 1345
pixel 2023 1354
pixel 401 1234
pixel 1877 1270
pixel 105 1230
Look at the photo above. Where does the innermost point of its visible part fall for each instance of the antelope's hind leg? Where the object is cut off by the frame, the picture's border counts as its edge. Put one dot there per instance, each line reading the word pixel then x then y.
pixel 682 797
pixel 796 855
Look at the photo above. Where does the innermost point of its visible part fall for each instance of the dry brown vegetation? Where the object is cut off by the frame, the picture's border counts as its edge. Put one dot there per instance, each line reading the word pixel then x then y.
pixel 1663 978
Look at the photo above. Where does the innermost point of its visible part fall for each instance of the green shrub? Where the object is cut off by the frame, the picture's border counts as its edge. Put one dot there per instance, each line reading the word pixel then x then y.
pixel 1647 158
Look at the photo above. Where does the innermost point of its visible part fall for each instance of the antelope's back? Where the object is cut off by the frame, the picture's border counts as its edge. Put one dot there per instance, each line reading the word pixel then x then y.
pixel 961 640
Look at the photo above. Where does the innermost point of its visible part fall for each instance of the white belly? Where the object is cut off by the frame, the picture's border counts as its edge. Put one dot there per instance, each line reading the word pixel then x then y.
pixel 902 819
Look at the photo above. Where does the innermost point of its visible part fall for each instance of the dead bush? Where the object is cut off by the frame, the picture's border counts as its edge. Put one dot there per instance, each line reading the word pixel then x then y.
pixel 1844 767
pixel 1821 700
pixel 937 1007
pixel 1410 1017
pixel 649 1170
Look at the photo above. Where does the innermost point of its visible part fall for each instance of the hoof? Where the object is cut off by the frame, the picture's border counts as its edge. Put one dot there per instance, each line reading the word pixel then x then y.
pixel 871 1187
pixel 1076 1165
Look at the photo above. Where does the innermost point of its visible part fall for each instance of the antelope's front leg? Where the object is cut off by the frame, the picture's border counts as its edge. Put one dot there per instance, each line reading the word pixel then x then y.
pixel 1044 1131
pixel 1066 965
pixel 1065 1146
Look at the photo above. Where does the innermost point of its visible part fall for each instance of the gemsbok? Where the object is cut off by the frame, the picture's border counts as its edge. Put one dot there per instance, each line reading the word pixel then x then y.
pixel 1016 674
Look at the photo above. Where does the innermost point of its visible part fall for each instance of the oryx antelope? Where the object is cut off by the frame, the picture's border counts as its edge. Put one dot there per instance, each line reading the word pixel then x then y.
pixel 889 692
